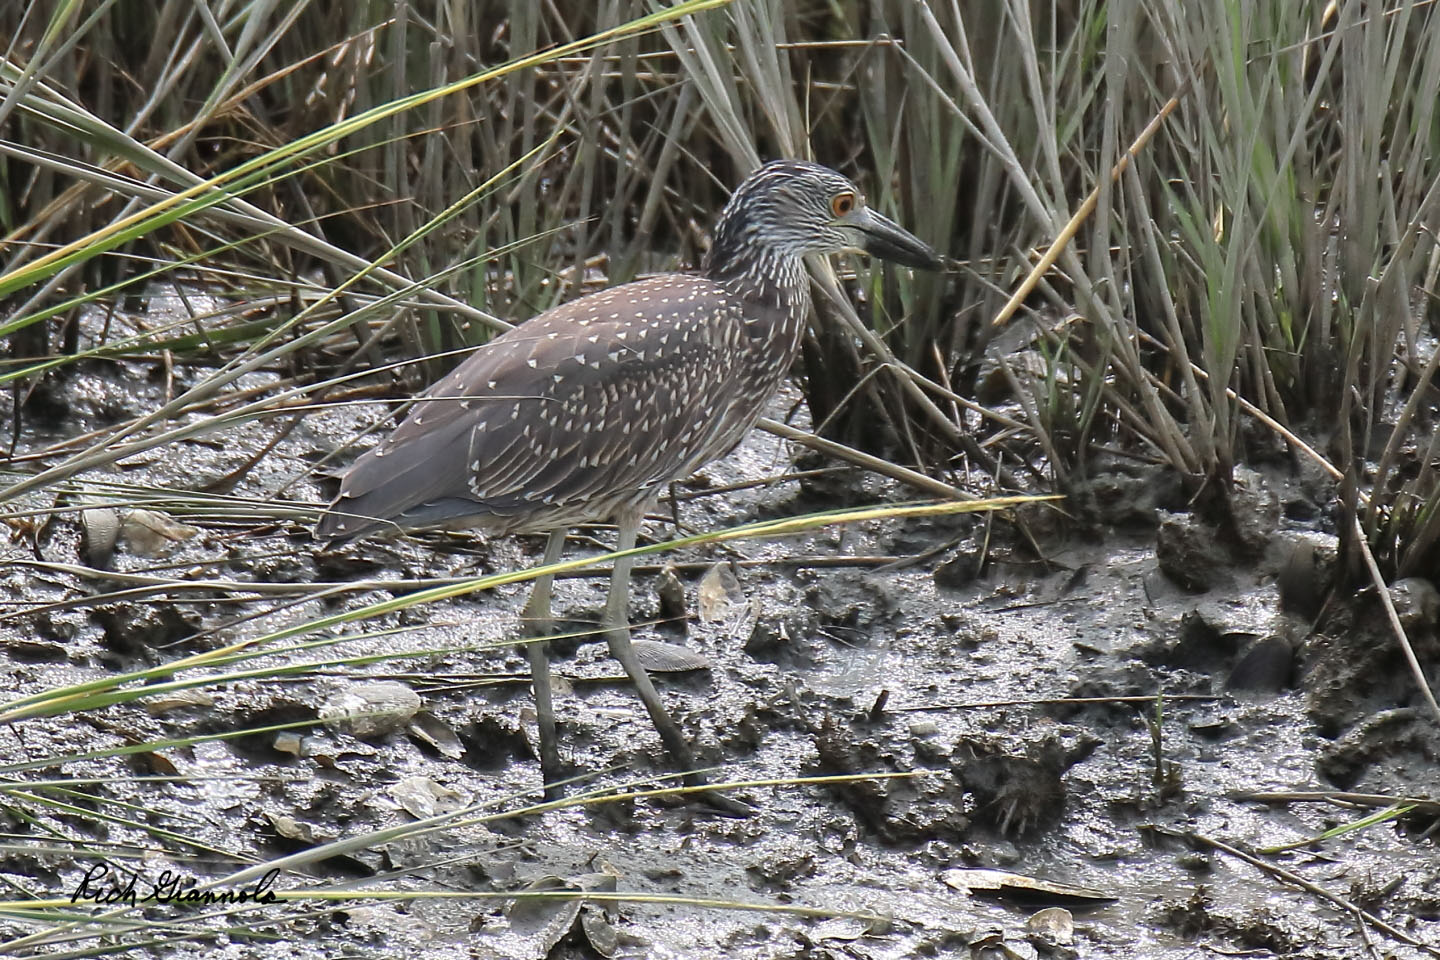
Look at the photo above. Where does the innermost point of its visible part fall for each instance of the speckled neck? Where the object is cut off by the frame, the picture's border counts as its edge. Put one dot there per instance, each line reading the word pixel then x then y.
pixel 753 271
pixel 753 263
pixel 773 279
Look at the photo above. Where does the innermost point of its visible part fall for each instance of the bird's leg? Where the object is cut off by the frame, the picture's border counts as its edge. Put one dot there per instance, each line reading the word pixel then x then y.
pixel 675 507
pixel 617 635
pixel 539 623
pixel 616 624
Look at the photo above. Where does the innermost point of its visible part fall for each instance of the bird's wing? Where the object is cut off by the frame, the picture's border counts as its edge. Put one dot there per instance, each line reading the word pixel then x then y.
pixel 611 393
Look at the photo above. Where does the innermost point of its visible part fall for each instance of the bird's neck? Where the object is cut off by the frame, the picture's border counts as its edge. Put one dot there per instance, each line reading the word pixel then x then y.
pixel 759 274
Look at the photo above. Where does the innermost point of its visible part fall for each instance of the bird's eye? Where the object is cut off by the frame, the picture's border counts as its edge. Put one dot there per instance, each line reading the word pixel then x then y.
pixel 842 203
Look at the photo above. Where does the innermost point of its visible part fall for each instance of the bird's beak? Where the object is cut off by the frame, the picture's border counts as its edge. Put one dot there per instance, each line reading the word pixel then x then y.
pixel 884 238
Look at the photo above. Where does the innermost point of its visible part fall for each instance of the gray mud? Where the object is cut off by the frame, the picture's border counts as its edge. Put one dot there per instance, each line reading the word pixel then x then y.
pixel 948 665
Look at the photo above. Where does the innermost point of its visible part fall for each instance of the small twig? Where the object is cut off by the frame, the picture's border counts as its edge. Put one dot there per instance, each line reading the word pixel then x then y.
pixel 228 482
pixel 1038 604
pixel 883 467
pixel 1051 702
pixel 1052 254
pixel 793 476
pixel 1365 935
pixel 1337 797
pixel 1394 618
pixel 1291 877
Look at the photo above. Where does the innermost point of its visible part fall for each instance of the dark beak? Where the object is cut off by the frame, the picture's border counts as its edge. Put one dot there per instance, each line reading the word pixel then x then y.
pixel 882 237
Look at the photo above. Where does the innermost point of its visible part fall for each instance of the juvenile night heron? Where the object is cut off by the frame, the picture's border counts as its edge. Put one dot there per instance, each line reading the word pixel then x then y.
pixel 585 412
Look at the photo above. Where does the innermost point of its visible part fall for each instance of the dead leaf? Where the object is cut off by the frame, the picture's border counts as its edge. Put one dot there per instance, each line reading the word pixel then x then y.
pixel 438 734
pixel 149 533
pixel 719 591
pixel 658 657
pixel 370 709
pixel 177 700
pixel 423 798
pixel 1052 927
pixel 1015 887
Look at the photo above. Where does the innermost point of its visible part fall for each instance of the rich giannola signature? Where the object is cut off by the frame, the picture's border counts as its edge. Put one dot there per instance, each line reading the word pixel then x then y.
pixel 106 888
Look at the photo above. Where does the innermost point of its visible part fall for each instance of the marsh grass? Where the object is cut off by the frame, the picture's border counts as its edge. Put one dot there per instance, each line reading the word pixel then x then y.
pixel 1273 239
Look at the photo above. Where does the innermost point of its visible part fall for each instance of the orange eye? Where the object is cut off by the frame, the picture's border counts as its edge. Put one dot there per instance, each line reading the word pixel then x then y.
pixel 842 203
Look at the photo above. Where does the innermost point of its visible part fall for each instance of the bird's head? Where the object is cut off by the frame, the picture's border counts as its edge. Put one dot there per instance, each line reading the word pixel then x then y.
pixel 793 207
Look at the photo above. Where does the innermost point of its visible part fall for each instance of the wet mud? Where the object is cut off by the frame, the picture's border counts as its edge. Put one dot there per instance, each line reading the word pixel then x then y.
pixel 1087 701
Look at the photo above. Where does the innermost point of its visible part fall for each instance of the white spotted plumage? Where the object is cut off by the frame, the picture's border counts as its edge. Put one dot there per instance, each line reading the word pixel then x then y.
pixel 610 396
